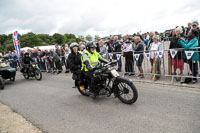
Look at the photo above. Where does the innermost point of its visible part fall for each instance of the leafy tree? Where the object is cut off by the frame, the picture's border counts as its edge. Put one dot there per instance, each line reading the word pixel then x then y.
pixel 96 37
pixel 81 37
pixel 88 38
pixel 31 40
pixel 58 38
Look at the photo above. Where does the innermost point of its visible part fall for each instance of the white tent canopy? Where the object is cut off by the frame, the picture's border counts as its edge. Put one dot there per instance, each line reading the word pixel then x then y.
pixel 49 47
pixel 26 48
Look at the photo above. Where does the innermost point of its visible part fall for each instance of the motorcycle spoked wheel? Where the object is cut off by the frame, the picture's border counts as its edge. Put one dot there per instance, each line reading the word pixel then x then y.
pixel 127 92
pixel 1 84
pixel 84 92
pixel 38 74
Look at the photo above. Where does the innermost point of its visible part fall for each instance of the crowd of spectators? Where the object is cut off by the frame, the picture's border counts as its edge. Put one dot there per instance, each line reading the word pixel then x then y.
pixel 132 48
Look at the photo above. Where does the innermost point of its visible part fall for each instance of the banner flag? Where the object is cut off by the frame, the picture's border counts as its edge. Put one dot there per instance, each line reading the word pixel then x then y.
pixel 147 55
pixel 160 53
pixel 136 56
pixel 189 54
pixel 118 56
pixel 17 45
pixel 110 55
pixel 173 53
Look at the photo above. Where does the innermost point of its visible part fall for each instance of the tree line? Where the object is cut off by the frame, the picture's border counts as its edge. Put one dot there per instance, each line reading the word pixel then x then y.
pixel 32 40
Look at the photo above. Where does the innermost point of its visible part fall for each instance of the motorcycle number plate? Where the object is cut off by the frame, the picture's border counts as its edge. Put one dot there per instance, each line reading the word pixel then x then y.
pixel 114 73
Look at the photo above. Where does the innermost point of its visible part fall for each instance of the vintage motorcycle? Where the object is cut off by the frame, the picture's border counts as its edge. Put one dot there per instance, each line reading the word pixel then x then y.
pixel 109 81
pixel 32 71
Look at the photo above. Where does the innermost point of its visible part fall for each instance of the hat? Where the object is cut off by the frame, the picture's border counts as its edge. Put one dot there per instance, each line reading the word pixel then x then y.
pixel 156 37
pixel 195 23
pixel 82 46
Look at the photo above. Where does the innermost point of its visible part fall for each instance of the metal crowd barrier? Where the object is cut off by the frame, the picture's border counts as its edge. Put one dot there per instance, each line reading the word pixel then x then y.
pixel 175 63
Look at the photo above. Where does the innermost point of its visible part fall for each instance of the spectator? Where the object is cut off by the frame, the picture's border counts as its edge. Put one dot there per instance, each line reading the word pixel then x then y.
pixel 190 43
pixel 41 61
pixel 141 38
pixel 47 61
pixel 57 58
pixel 111 40
pixel 195 25
pixel 98 47
pixel 34 54
pixel 128 54
pixel 66 54
pixel 183 31
pixel 52 58
pixel 12 59
pixel 139 49
pixel 108 46
pixel 178 61
pixel 117 49
pixel 82 48
pixel 188 29
pixel 151 34
pixel 103 50
pixel 154 58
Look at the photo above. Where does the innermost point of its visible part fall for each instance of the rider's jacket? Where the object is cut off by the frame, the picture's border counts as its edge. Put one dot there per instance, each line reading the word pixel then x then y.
pixel 27 60
pixel 75 62
pixel 90 60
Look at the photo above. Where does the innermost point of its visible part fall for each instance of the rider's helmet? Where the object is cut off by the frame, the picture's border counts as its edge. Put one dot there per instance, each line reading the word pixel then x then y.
pixel 90 45
pixel 82 46
pixel 72 45
pixel 27 53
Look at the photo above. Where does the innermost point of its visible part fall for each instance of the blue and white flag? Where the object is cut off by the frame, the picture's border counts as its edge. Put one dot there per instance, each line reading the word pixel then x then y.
pixel 17 45
pixel 136 56
pixel 110 55
pixel 118 56
pixel 173 53
pixel 160 53
pixel 189 54
pixel 147 55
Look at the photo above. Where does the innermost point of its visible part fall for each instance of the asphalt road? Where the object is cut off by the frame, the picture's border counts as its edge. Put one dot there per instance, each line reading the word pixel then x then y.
pixel 55 107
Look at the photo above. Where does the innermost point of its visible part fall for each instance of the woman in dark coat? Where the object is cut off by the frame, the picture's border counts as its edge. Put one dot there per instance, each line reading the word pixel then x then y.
pixel 74 59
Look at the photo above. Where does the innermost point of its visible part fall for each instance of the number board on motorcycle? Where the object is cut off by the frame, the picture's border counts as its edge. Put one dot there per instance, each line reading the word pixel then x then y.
pixel 114 73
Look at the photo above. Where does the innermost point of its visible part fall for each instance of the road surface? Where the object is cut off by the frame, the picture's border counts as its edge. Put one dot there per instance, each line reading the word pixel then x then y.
pixel 55 107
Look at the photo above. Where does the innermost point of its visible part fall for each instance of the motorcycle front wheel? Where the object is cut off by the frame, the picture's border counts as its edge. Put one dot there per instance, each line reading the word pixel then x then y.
pixel 38 74
pixel 126 91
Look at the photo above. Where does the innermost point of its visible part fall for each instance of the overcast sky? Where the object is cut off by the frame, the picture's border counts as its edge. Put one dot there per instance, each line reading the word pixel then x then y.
pixel 95 17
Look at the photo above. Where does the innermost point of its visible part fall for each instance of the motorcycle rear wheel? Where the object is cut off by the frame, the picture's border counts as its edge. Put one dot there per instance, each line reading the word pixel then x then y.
pixel 84 92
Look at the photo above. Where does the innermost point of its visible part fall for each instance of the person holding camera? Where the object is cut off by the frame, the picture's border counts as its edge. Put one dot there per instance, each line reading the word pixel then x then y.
pixel 128 54
pixel 116 48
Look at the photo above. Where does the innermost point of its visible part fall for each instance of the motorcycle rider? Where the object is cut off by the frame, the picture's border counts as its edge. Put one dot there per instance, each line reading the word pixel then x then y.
pixel 90 61
pixel 26 60
pixel 74 60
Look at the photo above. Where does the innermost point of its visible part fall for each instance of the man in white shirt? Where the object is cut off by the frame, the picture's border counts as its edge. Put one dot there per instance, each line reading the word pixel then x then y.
pixel 128 54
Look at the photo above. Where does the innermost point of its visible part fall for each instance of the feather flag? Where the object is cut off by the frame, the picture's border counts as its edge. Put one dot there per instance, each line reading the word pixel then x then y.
pixel 17 45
